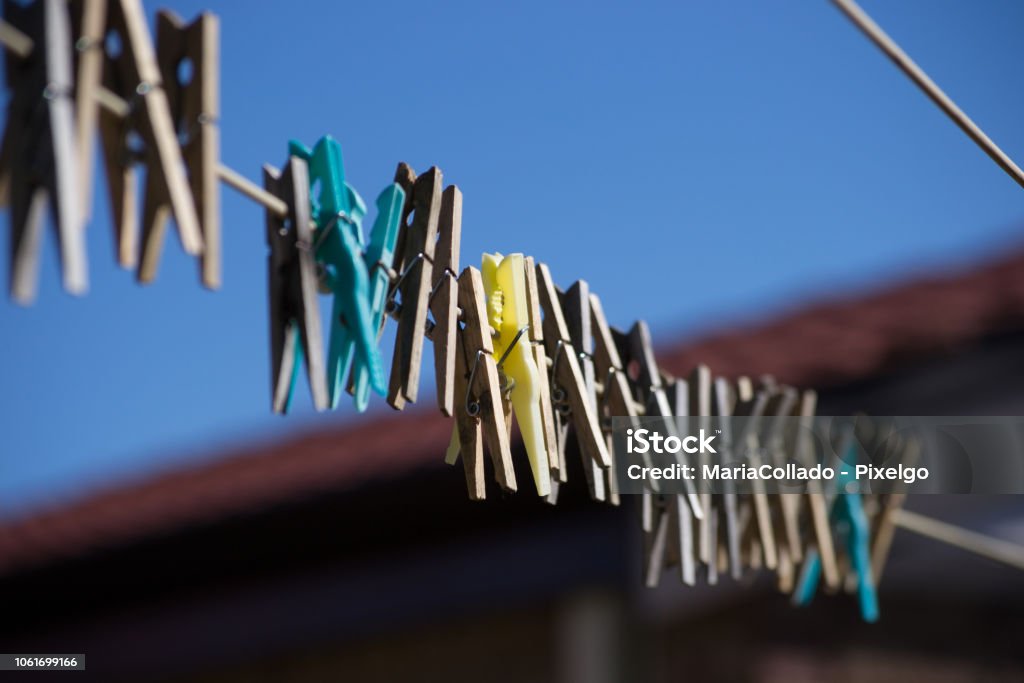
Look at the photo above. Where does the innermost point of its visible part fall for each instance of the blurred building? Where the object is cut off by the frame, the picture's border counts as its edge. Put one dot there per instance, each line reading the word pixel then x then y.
pixel 355 555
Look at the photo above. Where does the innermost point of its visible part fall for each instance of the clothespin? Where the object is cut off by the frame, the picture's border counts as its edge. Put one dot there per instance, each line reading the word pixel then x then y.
pixel 478 406
pixel 508 313
pixel 378 257
pixel 884 524
pixel 575 303
pixel 145 135
pixel 444 297
pixel 414 263
pixel 752 405
pixel 636 350
pixel 781 402
pixel 849 522
pixel 194 102
pixel 805 410
pixel 338 244
pixel 680 513
pixel 724 402
pixel 568 388
pixel 701 405
pixel 294 310
pixel 38 164
pixel 555 447
pixel 88 23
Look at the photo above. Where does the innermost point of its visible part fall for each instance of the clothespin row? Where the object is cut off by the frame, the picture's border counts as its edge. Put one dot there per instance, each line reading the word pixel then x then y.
pixel 320 245
pixel 151 118
pixel 537 373
pixel 781 532
pixel 77 67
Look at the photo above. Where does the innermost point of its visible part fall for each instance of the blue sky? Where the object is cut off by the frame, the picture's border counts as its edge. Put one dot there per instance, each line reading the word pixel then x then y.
pixel 700 164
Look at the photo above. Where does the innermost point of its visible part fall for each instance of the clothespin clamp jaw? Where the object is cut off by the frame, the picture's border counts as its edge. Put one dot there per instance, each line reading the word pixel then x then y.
pixel 145 134
pixel 38 164
pixel 294 311
pixel 189 61
pixel 338 244
pixel 479 413
pixel 508 313
pixel 850 524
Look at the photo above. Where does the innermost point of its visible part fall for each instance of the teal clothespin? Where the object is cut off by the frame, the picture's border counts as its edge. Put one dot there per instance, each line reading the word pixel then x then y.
pixel 850 522
pixel 380 255
pixel 338 212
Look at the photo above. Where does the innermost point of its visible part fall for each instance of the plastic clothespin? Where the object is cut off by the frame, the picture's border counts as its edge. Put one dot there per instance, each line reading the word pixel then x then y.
pixel 851 523
pixel 508 313
pixel 479 414
pixel 294 311
pixel 146 136
pixel 194 101
pixel 38 162
pixel 338 212
pixel 379 256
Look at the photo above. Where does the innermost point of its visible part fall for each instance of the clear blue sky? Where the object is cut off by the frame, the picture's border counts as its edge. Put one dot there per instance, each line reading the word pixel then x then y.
pixel 700 163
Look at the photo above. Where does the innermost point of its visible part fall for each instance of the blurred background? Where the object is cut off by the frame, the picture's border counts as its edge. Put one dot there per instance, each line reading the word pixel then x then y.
pixel 754 179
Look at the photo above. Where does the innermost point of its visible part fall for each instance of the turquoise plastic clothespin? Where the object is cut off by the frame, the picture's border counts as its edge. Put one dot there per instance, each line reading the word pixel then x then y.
pixel 338 211
pixel 380 255
pixel 849 522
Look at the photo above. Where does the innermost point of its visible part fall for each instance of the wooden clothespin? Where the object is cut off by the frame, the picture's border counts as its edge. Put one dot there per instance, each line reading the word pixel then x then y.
pixel 781 402
pixel 805 409
pixel 635 349
pixel 554 446
pixel 724 401
pixel 752 404
pixel 444 297
pixel 88 23
pixel 194 101
pixel 478 405
pixel 569 390
pixel 575 303
pixel 680 512
pixel 146 134
pixel 414 265
pixel 38 163
pixel 294 311
pixel 700 404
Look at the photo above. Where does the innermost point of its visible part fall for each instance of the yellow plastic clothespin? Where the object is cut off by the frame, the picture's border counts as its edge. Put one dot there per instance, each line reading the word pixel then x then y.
pixel 509 314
